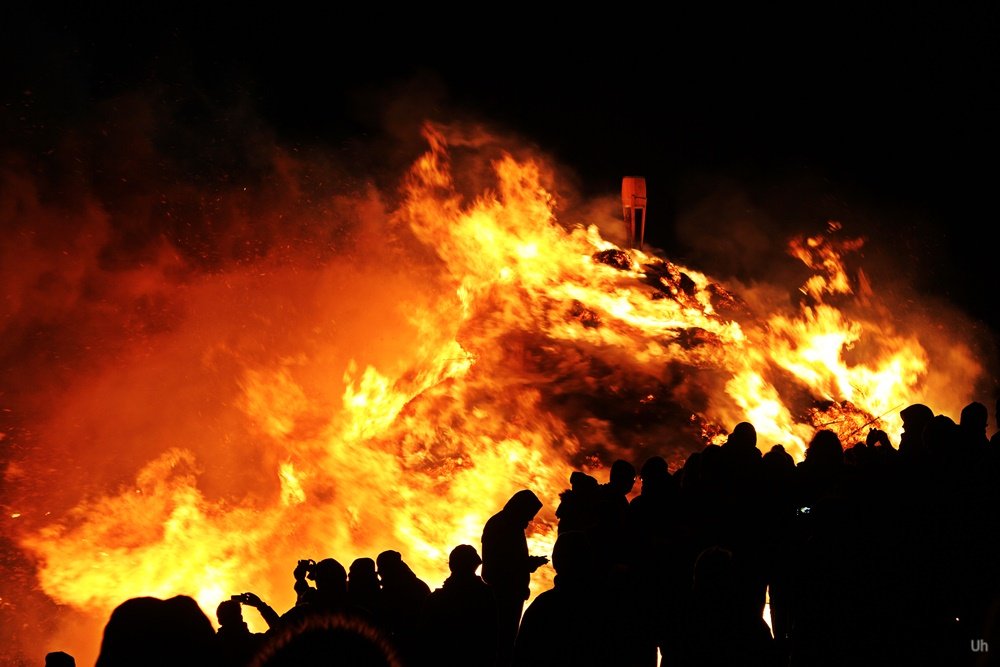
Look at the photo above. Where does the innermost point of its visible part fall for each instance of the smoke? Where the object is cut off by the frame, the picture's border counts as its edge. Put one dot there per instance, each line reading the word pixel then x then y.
pixel 736 227
pixel 173 276
pixel 192 304
pixel 150 256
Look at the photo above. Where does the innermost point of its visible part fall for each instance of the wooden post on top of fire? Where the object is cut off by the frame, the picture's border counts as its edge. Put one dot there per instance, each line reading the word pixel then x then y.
pixel 634 209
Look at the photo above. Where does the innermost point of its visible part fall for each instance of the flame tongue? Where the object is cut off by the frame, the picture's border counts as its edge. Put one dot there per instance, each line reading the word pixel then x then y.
pixel 547 349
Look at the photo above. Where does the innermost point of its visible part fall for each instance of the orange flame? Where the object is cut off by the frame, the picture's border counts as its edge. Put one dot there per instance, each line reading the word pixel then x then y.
pixel 512 359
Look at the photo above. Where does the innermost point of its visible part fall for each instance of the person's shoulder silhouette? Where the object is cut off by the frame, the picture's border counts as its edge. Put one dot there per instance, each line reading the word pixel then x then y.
pixel 560 626
pixel 155 632
pixel 329 595
pixel 402 595
pixel 59 659
pixel 459 620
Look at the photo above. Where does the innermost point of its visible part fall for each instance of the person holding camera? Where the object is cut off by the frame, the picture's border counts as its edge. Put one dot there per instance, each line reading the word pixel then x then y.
pixel 329 595
pixel 236 644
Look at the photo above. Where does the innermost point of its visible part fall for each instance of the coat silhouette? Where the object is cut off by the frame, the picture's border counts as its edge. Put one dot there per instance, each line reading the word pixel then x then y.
pixel 569 624
pixel 507 566
pixel 459 620
pixel 401 598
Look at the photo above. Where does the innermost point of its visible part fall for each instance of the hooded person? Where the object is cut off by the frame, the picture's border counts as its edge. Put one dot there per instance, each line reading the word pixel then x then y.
pixel 507 566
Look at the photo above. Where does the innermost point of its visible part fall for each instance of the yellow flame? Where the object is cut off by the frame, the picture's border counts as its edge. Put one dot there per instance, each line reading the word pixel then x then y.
pixel 416 452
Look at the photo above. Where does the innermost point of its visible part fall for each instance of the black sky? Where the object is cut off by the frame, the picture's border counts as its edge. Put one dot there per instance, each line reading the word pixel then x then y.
pixel 884 118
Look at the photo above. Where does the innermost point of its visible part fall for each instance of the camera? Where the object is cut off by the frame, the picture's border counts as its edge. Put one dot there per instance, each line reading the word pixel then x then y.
pixel 308 567
pixel 242 598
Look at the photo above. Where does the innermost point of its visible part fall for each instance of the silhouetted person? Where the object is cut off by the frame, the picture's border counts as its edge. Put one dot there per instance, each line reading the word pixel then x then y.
pixel 652 512
pixel 822 470
pixel 778 506
pixel 235 642
pixel 701 510
pixel 569 624
pixel 459 620
pixel 856 455
pixel 882 451
pixel 621 481
pixel 158 633
pixel 983 547
pixel 322 640
pixel 856 541
pixel 328 596
pixel 911 440
pixel 779 462
pixel 743 439
pixel 507 566
pixel 59 659
pixel 654 559
pixel 959 551
pixel 741 514
pixel 577 508
pixel 972 429
pixel 363 588
pixel 610 533
pixel 401 597
pixel 941 437
pixel 718 630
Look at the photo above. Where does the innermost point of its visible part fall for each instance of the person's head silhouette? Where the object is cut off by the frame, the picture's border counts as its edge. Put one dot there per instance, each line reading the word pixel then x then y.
pixel 229 613
pixel 464 560
pixel 523 506
pixel 622 477
pixel 330 576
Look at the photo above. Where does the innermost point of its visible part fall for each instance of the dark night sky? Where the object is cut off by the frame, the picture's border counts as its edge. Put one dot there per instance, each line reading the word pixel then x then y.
pixel 884 119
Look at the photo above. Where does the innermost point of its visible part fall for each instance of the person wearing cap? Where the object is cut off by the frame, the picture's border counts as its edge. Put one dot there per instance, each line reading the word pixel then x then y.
pixel 459 620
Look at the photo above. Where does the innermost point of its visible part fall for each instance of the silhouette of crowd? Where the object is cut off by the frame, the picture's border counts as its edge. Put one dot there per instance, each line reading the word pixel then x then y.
pixel 863 553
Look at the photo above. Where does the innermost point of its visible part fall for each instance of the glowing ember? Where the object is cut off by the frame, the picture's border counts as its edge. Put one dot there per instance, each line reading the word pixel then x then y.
pixel 286 411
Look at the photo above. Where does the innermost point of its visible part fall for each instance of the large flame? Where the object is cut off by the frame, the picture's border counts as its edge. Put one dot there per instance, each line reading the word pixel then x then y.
pixel 300 411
